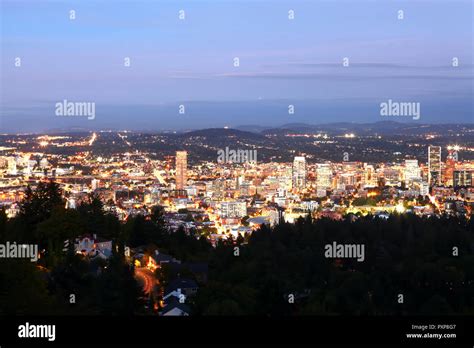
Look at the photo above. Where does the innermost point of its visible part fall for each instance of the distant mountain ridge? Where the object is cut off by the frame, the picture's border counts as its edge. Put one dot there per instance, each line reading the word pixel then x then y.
pixel 222 133
pixel 382 128
pixel 336 128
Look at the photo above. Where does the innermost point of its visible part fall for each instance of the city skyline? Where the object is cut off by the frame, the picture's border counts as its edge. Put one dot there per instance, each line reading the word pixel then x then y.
pixel 236 163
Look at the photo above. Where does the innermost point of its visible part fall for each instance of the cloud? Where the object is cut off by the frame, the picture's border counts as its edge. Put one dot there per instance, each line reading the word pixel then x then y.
pixel 341 76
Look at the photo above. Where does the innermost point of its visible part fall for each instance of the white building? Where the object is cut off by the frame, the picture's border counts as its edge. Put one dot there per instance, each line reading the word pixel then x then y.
pixel 233 209
pixel 412 171
pixel 12 169
pixel 93 246
pixel 323 176
pixel 370 176
pixel 299 173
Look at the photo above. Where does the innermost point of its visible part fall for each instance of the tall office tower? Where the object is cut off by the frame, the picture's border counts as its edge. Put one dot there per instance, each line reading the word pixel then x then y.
pixel 12 170
pixel 181 169
pixel 463 177
pixel 412 171
pixel 451 160
pixel 370 176
pixel 299 173
pixel 434 165
pixel 323 176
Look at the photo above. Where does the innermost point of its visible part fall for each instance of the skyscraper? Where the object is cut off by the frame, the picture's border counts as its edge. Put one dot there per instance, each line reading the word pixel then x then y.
pixel 434 165
pixel 12 169
pixel 412 171
pixel 324 176
pixel 451 160
pixel 463 177
pixel 370 176
pixel 299 173
pixel 181 169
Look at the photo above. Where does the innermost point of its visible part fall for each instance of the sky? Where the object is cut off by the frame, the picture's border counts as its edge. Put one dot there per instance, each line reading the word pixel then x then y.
pixel 190 62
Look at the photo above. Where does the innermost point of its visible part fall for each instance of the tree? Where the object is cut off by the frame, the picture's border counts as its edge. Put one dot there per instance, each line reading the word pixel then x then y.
pixel 92 213
pixel 38 205
pixel 118 292
pixel 23 289
pixel 63 224
pixel 3 225
pixel 157 215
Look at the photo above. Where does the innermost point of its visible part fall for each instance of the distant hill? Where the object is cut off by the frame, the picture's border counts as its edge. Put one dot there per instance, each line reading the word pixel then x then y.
pixel 252 128
pixel 382 128
pixel 219 133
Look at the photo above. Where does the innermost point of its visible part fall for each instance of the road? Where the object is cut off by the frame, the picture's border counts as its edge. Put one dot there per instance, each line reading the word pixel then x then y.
pixel 147 278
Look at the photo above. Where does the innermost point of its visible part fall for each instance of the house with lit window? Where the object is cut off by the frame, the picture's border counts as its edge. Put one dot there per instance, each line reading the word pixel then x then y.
pixel 176 309
pixel 180 288
pixel 93 246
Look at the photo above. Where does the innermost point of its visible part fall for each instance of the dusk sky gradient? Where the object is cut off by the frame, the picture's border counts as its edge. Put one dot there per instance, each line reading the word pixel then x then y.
pixel 190 62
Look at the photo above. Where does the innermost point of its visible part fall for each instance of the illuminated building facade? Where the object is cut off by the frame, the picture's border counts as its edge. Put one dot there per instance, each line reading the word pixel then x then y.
pixel 434 165
pixel 412 171
pixel 181 169
pixel 299 173
pixel 324 176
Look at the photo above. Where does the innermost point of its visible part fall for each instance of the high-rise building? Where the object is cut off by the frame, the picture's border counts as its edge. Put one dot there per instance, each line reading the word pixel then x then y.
pixel 463 177
pixel 95 184
pixel 234 209
pixel 12 170
pixel 434 165
pixel 299 173
pixel 422 187
pixel 391 176
pixel 370 176
pixel 451 160
pixel 324 176
pixel 346 179
pixel 181 169
pixel 412 171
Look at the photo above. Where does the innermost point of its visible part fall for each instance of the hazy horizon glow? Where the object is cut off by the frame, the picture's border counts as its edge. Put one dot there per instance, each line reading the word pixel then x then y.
pixel 190 62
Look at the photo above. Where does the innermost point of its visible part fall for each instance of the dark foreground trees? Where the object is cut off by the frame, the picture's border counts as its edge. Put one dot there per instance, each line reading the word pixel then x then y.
pixel 412 265
pixel 62 282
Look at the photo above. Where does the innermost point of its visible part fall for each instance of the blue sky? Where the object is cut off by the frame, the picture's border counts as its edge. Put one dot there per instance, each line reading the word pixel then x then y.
pixel 190 61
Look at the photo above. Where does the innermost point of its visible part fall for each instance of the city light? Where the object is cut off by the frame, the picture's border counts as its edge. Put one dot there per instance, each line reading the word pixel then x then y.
pixel 400 208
